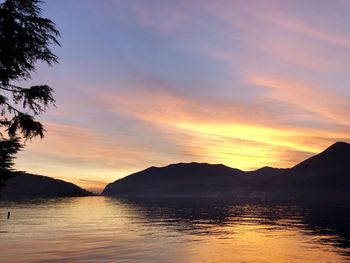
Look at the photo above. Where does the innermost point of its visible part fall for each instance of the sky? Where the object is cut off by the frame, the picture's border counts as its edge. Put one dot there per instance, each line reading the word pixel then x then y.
pixel 151 82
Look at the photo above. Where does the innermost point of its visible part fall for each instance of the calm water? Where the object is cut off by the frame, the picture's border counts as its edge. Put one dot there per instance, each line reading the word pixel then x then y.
pixel 98 229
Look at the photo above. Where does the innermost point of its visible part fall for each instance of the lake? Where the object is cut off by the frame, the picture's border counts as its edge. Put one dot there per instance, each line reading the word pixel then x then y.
pixel 101 229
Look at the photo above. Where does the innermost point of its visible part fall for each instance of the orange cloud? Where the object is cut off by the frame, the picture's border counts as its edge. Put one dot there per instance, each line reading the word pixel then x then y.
pixel 306 96
pixel 217 134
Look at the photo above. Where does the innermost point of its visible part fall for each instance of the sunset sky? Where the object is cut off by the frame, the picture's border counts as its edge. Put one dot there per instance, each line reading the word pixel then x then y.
pixel 152 82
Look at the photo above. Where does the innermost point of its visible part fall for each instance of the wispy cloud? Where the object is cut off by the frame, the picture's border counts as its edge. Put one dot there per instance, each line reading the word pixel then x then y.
pixel 146 83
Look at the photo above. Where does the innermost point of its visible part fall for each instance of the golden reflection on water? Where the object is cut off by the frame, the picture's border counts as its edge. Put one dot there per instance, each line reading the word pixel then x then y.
pixel 98 229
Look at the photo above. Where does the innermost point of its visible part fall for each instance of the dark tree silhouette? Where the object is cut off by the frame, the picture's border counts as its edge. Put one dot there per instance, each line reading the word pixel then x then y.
pixel 25 39
pixel 8 150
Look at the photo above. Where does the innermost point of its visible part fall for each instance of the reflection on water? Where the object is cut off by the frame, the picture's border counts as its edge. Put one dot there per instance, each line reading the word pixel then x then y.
pixel 99 229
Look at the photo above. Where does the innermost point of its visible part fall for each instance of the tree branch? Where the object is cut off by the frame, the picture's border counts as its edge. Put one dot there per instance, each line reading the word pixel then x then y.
pixel 17 111
pixel 11 90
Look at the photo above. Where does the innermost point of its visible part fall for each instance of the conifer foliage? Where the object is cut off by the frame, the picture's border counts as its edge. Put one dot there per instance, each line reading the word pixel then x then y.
pixel 25 40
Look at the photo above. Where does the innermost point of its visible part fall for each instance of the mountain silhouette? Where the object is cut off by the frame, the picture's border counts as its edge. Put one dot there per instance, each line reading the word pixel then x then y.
pixel 325 176
pixel 183 179
pixel 23 186
pixel 335 159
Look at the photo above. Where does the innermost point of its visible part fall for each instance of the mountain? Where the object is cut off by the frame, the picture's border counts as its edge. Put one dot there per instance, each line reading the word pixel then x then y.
pixel 192 180
pixel 325 176
pixel 23 186
pixel 267 171
pixel 182 179
pixel 335 159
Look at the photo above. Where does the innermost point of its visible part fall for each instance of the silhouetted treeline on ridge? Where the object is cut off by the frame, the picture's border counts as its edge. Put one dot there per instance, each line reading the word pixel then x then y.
pixel 323 177
pixel 28 186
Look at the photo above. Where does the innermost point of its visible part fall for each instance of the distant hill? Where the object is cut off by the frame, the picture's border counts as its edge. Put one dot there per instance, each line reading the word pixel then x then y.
pixel 183 179
pixel 325 176
pixel 28 186
pixel 335 159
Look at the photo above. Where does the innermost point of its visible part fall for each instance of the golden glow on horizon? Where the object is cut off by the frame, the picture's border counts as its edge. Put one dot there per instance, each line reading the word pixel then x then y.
pixel 256 147
pixel 250 133
pixel 228 141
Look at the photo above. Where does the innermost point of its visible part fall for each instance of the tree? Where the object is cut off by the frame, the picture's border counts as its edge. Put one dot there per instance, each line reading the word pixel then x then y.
pixel 25 39
pixel 8 149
